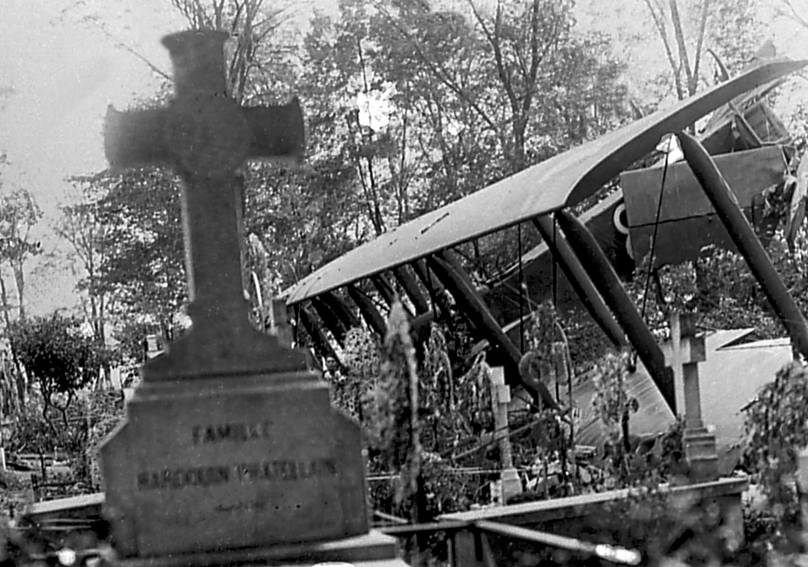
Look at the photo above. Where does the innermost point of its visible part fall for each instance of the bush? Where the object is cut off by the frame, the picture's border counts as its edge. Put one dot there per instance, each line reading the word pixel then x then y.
pixel 59 357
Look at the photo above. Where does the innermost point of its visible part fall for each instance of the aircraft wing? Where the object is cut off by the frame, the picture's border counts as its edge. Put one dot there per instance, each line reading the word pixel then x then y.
pixel 560 181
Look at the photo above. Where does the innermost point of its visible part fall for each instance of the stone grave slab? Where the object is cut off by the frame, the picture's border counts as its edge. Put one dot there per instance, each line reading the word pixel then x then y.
pixel 233 463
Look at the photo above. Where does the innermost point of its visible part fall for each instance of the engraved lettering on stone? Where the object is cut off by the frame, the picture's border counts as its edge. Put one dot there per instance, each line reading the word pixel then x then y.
pixel 235 432
pixel 243 473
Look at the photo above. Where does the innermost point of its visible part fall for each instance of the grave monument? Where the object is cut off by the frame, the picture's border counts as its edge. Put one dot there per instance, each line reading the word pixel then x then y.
pixel 230 451
pixel 683 354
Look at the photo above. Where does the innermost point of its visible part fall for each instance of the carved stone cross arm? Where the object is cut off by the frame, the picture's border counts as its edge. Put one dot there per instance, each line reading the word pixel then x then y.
pixel 687 346
pixel 203 131
pixel 143 137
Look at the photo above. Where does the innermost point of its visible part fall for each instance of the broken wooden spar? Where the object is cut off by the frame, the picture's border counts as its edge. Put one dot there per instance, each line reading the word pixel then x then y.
pixel 744 237
pixel 605 279
pixel 314 330
pixel 386 291
pixel 369 312
pixel 406 280
pixel 475 309
pixel 340 309
pixel 579 280
pixel 330 319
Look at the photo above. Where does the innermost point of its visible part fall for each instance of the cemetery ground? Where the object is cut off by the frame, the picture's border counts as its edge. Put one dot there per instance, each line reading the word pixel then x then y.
pixel 459 463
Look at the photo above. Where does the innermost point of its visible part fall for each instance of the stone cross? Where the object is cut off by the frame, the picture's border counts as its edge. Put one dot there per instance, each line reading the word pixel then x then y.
pixel 683 355
pixel 500 398
pixel 686 351
pixel 230 452
pixel 206 137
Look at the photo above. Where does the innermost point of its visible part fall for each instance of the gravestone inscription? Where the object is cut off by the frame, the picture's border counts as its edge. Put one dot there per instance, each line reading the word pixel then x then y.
pixel 229 442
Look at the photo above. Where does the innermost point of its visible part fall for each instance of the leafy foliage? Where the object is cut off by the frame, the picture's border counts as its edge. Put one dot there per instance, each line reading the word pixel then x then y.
pixel 361 358
pixel 18 215
pixel 395 404
pixel 611 400
pixel 302 216
pixel 775 427
pixel 404 114
pixel 103 414
pixel 82 226
pixel 58 356
pixel 31 432
pixel 143 262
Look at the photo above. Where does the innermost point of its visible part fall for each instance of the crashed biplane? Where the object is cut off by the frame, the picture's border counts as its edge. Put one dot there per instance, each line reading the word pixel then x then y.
pixel 746 141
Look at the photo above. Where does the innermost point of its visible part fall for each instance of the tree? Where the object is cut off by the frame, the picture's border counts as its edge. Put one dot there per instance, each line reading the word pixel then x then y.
pixel 491 88
pixel 82 227
pixel 256 47
pixel 301 216
pixel 338 78
pixel 686 71
pixel 430 105
pixel 390 134
pixel 18 215
pixel 511 69
pixel 143 260
pixel 59 357
pixel 726 28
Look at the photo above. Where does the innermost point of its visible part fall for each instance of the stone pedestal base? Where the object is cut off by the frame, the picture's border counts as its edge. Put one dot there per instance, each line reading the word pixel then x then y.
pixel 701 454
pixel 511 484
pixel 239 462
pixel 371 550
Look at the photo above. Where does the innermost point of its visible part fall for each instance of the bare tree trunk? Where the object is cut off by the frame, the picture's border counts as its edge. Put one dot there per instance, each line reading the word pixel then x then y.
pixel 680 63
pixel 19 280
pixel 684 58
pixel 19 379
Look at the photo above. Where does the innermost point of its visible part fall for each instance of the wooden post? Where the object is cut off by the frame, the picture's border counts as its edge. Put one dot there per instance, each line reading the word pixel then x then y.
pixel 685 351
pixel 500 398
pixel 279 322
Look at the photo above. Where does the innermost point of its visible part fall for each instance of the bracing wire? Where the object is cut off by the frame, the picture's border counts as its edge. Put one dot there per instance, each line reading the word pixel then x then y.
pixel 555 266
pixel 656 230
pixel 652 252
pixel 521 291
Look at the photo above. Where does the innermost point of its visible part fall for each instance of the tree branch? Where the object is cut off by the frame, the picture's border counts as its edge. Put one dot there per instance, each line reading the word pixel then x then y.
pixel 684 59
pixel 793 13
pixel 659 22
pixel 439 72
pixel 705 10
